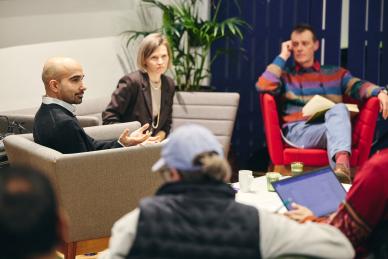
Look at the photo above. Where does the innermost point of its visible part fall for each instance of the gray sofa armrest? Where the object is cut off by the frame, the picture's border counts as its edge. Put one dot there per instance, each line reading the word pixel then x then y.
pixel 88 121
pixel 22 150
pixel 111 131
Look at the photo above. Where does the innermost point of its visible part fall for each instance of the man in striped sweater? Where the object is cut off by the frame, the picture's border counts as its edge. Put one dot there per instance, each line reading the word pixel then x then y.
pixel 299 82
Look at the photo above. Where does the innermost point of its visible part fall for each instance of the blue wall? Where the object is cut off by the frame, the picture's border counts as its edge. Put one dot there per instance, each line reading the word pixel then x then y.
pixel 272 21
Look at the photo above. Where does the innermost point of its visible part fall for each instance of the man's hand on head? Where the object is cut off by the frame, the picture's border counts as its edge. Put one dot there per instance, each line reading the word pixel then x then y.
pixel 138 136
pixel 286 50
pixel 383 97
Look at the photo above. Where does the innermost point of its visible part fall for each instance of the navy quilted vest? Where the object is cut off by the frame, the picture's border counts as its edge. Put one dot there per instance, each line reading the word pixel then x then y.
pixel 196 220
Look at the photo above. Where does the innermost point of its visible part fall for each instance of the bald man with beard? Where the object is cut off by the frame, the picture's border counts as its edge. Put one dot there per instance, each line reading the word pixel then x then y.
pixel 55 125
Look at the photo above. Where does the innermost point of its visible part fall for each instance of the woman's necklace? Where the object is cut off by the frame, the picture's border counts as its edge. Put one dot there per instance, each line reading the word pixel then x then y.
pixel 156 84
pixel 155 126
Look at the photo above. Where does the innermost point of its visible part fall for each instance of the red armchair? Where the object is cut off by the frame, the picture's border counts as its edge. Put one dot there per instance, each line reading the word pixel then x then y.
pixel 282 155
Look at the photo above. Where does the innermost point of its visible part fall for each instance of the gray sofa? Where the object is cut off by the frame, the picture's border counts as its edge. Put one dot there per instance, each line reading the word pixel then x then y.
pixel 95 188
pixel 216 111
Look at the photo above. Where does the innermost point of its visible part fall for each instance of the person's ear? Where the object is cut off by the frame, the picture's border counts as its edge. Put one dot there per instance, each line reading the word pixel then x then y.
pixel 175 175
pixel 53 85
pixel 316 45
pixel 171 175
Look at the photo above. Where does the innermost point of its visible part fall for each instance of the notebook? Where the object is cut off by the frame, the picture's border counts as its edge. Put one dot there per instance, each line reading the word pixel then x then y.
pixel 319 190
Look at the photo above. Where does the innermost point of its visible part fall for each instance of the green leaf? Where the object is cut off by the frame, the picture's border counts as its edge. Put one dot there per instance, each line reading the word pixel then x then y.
pixel 222 29
pixel 231 28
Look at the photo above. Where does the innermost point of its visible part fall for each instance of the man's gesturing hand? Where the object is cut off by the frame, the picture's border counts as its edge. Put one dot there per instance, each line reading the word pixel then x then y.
pixel 136 137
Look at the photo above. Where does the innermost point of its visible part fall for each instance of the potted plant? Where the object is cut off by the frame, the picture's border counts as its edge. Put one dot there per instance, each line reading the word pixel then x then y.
pixel 191 38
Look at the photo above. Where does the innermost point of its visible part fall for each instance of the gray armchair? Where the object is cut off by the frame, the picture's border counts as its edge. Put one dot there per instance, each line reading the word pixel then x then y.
pixel 95 188
pixel 215 111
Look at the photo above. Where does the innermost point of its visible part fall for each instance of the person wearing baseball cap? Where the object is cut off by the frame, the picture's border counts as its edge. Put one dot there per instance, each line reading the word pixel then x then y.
pixel 194 213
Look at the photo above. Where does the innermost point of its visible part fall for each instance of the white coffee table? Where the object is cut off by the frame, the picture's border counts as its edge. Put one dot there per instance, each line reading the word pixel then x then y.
pixel 260 197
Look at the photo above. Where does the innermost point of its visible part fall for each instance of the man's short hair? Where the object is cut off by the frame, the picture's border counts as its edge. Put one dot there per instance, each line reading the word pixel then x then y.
pixel 299 28
pixel 29 220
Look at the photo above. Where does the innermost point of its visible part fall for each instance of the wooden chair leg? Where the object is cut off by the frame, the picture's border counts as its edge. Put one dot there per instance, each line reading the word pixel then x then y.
pixel 72 249
pixel 69 250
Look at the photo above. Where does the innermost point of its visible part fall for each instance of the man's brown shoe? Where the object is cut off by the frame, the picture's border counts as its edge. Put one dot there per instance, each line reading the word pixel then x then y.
pixel 342 173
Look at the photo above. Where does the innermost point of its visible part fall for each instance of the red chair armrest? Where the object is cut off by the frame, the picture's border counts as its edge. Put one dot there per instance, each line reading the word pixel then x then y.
pixel 364 128
pixel 272 128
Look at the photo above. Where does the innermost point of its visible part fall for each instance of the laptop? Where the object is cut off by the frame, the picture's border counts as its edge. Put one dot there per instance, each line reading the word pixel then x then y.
pixel 318 190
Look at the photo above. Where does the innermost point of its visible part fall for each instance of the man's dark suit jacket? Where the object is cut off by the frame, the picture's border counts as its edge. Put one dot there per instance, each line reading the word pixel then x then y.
pixel 131 101
pixel 57 128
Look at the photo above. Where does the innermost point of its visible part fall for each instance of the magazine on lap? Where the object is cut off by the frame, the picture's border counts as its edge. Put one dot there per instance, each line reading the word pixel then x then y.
pixel 316 108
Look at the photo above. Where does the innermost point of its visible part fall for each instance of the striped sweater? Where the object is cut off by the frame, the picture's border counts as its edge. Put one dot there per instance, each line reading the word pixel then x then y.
pixel 298 85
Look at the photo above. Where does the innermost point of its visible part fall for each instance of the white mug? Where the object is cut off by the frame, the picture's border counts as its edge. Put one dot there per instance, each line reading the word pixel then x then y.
pixel 245 178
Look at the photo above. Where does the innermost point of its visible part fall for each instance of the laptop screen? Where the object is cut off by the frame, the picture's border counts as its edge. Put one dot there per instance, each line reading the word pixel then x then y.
pixel 319 190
